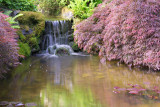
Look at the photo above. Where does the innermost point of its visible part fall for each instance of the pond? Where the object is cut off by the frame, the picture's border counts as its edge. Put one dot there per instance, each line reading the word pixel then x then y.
pixel 75 81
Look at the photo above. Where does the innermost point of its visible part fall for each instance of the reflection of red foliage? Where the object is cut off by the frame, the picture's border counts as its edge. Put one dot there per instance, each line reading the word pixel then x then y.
pixel 127 30
pixel 8 45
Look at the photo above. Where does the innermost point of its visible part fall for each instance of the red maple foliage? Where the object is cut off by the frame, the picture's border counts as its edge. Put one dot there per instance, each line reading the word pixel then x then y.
pixel 125 30
pixel 8 45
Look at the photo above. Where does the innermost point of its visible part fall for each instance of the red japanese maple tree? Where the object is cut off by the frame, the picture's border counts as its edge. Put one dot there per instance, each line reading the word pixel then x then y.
pixel 125 30
pixel 8 45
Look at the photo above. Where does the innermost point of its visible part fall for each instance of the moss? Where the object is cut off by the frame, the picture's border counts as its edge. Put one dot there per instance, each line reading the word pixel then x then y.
pixel 34 21
pixel 25 49
pixel 21 36
pixel 33 42
pixel 25 27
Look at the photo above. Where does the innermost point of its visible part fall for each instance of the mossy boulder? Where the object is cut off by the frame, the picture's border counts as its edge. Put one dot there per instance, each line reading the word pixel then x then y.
pixel 32 26
pixel 62 52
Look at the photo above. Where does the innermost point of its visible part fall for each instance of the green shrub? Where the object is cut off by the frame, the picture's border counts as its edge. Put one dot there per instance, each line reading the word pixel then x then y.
pixel 52 7
pixel 8 12
pixel 31 21
pixel 33 42
pixel 21 36
pixel 25 49
pixel 75 47
pixel 83 8
pixel 25 5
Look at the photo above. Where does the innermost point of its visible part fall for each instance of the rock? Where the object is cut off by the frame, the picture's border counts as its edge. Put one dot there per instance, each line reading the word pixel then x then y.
pixel 4 103
pixel 62 52
pixel 25 32
pixel 14 13
pixel 10 105
pixel 20 105
pixel 67 13
pixel 14 103
pixel 30 104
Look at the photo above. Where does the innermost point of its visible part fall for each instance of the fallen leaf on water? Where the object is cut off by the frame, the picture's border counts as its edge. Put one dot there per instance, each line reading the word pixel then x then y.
pixel 116 87
pixel 155 97
pixel 132 89
pixel 115 92
pixel 133 92
pixel 141 89
pixel 121 89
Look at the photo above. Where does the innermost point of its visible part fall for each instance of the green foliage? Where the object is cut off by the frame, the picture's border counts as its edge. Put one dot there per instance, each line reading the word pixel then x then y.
pixel 75 47
pixel 12 21
pixel 33 41
pixel 34 20
pixel 25 49
pixel 25 5
pixel 52 7
pixel 31 21
pixel 8 12
pixel 83 8
pixel 21 36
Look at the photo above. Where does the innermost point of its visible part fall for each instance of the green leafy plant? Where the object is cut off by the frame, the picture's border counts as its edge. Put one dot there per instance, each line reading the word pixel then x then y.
pixel 25 5
pixel 8 12
pixel 52 7
pixel 24 49
pixel 34 24
pixel 11 20
pixel 83 8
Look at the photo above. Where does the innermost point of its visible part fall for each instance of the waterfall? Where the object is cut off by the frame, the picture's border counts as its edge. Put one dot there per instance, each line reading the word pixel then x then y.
pixel 56 36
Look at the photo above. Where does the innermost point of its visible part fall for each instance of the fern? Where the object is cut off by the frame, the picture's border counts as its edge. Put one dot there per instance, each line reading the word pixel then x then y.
pixel 83 8
pixel 12 21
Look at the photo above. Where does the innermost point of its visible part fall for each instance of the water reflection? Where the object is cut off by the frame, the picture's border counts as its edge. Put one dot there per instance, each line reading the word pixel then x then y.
pixel 75 81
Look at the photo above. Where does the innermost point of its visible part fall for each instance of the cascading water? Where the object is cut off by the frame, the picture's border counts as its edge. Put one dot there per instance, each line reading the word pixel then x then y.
pixel 56 36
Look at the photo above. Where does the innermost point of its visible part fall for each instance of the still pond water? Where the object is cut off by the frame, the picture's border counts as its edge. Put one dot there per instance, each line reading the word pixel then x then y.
pixel 76 81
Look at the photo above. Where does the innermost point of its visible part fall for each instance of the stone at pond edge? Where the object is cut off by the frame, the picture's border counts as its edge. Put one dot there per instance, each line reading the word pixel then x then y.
pixel 30 104
pixel 14 13
pixel 20 105
pixel 4 103
pixel 10 105
pixel 25 32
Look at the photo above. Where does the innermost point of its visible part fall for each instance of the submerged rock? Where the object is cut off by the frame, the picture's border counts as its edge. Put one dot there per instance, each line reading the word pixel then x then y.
pixel 62 51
